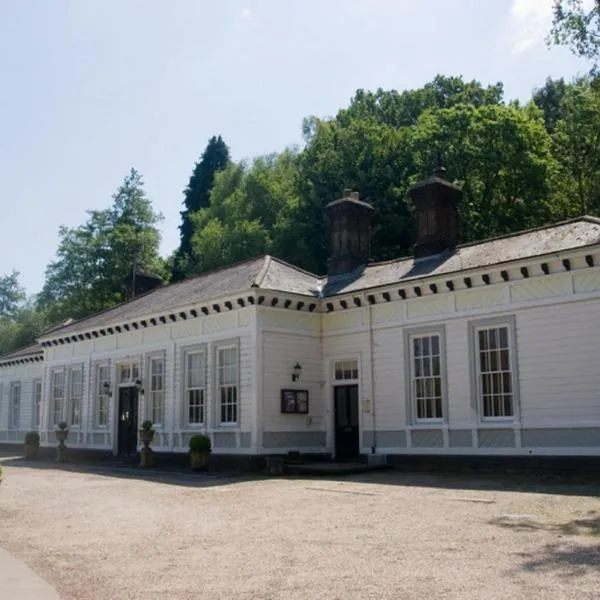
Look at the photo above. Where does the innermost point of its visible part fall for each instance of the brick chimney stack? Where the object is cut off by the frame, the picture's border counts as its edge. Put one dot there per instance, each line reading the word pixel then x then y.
pixel 350 220
pixel 436 202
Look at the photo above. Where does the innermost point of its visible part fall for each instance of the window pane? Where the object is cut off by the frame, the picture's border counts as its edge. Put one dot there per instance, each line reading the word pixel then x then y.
pixel 503 337
pixel 495 375
pixel 427 380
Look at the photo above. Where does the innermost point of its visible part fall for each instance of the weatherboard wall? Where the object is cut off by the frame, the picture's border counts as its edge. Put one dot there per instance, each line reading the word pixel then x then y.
pixel 290 337
pixel 24 374
pixel 558 380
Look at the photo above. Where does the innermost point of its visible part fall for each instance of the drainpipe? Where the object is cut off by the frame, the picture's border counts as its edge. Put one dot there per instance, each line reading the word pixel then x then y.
pixel 372 367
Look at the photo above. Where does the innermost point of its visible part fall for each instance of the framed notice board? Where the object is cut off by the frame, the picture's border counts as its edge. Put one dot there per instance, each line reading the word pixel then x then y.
pixel 294 402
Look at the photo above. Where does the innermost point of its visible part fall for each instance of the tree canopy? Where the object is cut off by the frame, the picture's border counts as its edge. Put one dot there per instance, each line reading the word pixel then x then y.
pixel 577 26
pixel 94 259
pixel 197 197
pixel 519 165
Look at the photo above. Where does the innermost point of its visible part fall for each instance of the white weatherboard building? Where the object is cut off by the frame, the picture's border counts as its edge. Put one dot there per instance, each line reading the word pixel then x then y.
pixel 483 349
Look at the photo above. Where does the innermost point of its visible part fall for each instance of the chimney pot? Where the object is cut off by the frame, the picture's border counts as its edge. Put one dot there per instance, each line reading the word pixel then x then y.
pixel 350 222
pixel 436 203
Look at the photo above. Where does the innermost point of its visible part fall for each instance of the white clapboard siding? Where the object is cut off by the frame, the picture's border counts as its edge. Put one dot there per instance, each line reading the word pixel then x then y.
pixel 281 351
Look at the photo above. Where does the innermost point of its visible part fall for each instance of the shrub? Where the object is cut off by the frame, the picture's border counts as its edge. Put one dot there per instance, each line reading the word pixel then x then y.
pixel 147 425
pixel 62 425
pixel 200 443
pixel 32 439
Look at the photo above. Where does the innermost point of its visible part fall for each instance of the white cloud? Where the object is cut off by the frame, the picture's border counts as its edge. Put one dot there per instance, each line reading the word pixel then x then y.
pixel 246 13
pixel 530 23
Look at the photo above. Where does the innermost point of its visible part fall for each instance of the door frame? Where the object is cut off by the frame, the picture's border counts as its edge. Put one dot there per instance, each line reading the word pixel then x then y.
pixel 332 383
pixel 114 367
pixel 356 440
pixel 118 410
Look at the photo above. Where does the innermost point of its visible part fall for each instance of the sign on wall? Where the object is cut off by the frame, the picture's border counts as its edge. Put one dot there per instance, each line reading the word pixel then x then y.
pixel 294 401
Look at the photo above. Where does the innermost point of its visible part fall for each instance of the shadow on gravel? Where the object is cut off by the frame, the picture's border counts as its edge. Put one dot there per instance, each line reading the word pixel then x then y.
pixel 476 480
pixel 589 525
pixel 530 483
pixel 170 475
pixel 571 560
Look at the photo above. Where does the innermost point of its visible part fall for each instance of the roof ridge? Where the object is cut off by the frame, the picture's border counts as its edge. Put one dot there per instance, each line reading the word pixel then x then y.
pixel 260 277
pixel 294 267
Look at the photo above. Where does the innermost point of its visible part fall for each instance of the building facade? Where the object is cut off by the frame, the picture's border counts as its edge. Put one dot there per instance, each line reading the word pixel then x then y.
pixel 486 349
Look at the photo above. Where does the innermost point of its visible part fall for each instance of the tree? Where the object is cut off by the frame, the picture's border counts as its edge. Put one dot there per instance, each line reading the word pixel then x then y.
pixel 197 197
pixel 94 259
pixel 11 294
pixel 578 27
pixel 549 99
pixel 576 145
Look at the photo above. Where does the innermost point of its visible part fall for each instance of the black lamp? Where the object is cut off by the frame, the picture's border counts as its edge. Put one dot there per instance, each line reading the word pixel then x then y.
pixel 297 371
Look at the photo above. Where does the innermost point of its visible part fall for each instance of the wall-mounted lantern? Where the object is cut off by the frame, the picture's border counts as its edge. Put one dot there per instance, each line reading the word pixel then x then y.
pixel 297 371
pixel 140 386
pixel 106 389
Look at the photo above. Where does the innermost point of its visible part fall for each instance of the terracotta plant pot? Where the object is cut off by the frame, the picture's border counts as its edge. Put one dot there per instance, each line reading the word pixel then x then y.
pixel 199 460
pixel 146 435
pixel 62 435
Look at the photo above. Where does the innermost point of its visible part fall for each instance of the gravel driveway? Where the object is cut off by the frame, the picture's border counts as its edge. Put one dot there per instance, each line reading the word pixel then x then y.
pixel 376 536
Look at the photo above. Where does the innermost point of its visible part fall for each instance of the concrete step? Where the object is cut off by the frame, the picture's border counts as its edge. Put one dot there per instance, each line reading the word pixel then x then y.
pixel 332 468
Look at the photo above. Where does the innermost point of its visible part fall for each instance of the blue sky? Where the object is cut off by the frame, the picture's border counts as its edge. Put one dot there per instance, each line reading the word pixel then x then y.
pixel 90 88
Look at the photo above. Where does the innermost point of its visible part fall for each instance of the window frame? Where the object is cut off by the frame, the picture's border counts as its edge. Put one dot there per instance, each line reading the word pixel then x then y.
pixel 509 322
pixel 217 348
pixel 51 416
pixel 150 394
pixel 36 403
pixel 70 398
pixel 185 417
pixel 409 372
pixel 98 394
pixel 14 424
pixel 344 361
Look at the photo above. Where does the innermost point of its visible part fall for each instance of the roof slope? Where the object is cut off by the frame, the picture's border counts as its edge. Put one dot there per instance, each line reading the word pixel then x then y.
pixel 22 352
pixel 568 235
pixel 264 272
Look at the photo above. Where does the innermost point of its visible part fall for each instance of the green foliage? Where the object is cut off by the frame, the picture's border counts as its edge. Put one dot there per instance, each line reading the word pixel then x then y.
pixel 200 443
pixel 147 425
pixel 215 158
pixel 94 260
pixel 519 166
pixel 11 294
pixel 62 426
pixel 578 27
pixel 32 438
pixel 20 322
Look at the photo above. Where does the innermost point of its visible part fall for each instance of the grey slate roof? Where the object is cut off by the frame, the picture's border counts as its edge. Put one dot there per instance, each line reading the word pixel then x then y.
pixel 25 352
pixel 269 273
pixel 265 272
pixel 568 235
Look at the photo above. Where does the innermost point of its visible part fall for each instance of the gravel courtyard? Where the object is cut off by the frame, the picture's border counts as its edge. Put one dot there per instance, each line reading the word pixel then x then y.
pixel 389 535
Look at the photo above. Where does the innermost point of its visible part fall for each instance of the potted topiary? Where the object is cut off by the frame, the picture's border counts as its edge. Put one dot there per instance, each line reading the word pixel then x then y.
pixel 146 435
pixel 61 435
pixel 32 444
pixel 200 449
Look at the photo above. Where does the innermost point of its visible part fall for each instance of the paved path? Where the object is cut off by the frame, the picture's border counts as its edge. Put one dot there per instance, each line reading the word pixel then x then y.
pixel 19 582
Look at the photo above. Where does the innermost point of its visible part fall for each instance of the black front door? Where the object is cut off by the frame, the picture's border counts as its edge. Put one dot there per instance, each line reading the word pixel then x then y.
pixel 346 422
pixel 128 420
